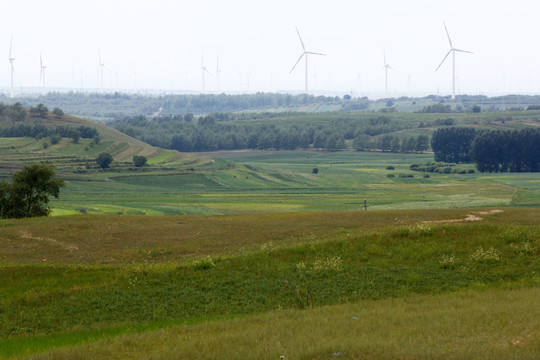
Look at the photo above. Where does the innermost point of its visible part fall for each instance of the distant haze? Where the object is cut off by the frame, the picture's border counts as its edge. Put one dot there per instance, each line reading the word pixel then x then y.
pixel 158 45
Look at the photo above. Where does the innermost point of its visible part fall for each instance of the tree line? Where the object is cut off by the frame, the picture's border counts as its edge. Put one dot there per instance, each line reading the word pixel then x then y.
pixel 122 104
pixel 13 123
pixel 507 151
pixel 392 143
pixel 218 132
pixel 38 131
pixel 492 151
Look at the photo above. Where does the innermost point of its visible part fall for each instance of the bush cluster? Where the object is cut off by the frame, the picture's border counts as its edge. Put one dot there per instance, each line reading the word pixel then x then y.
pixel 440 167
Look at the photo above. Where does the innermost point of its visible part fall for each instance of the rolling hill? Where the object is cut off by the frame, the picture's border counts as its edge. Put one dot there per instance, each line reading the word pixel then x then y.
pixel 68 155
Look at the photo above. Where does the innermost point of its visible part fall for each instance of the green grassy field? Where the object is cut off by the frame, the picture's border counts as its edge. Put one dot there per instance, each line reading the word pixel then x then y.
pixel 250 254
pixel 252 181
pixel 80 279
pixel 271 181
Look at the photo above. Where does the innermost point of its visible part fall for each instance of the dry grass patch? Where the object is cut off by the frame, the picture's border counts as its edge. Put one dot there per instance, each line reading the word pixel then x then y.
pixel 120 239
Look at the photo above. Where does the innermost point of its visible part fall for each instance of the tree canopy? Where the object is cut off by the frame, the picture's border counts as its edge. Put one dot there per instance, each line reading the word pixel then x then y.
pixel 104 160
pixel 28 193
pixel 503 151
pixel 453 145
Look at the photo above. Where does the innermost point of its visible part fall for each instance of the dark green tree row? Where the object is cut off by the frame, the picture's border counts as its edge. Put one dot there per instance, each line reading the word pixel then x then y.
pixel 492 151
pixel 392 143
pixel 27 195
pixel 453 145
pixel 503 151
pixel 218 132
pixel 39 131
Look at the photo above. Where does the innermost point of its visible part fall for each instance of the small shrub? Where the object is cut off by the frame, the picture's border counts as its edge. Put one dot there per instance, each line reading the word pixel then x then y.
pixel 139 160
pixel 390 175
pixel 315 170
pixel 424 229
pixel 426 176
pixel 390 167
pixel 448 262
pixel 330 263
pixel 204 264
pixel 55 139
pixel 489 255
pixel 525 248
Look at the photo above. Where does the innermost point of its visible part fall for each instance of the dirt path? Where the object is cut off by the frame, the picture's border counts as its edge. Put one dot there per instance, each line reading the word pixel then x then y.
pixel 469 217
pixel 63 245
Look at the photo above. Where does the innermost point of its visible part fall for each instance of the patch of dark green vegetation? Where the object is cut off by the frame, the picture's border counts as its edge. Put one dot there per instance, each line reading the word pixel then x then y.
pixel 440 167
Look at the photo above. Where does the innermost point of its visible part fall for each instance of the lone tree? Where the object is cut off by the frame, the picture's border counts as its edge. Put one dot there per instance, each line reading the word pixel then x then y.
pixel 58 112
pixel 28 193
pixel 40 111
pixel 104 160
pixel 139 160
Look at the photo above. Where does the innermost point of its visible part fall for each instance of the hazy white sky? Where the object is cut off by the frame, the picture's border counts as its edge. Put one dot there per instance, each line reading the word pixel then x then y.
pixel 159 44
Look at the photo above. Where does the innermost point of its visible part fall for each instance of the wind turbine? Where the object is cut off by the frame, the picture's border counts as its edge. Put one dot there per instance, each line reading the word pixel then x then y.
pixel 101 66
pixel 11 60
pixel 204 70
pixel 304 53
pixel 218 71
pixel 42 74
pixel 453 51
pixel 386 67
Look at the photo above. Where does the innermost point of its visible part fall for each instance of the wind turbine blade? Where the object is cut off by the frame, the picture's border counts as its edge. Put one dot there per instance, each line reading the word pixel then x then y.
pixel 314 53
pixel 384 55
pixel 447 34
pixel 40 61
pixel 448 53
pixel 10 43
pixel 464 51
pixel 298 32
pixel 300 58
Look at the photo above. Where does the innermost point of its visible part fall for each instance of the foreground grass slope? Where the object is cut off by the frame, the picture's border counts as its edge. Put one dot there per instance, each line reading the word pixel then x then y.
pixel 67 280
pixel 482 324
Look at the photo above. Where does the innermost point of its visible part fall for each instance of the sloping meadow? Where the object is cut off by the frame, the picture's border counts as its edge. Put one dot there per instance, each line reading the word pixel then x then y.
pixel 68 280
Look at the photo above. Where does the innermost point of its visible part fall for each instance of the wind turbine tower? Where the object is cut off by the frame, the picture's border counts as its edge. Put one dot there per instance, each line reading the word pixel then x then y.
pixel 42 74
pixel 11 60
pixel 386 67
pixel 218 71
pixel 304 53
pixel 453 51
pixel 204 70
pixel 101 66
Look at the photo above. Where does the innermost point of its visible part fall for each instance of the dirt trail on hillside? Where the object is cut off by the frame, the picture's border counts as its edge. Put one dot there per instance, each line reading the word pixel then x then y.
pixel 469 217
pixel 63 245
